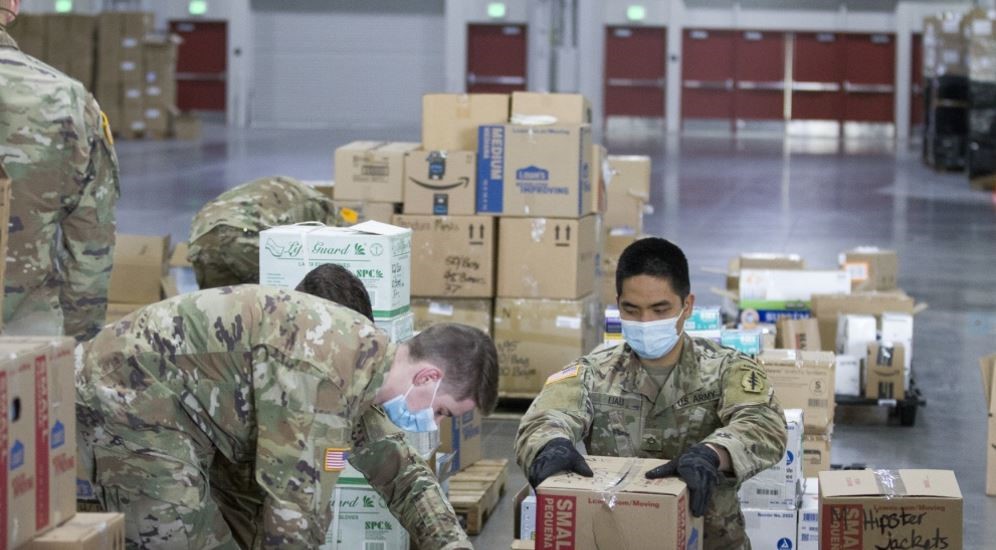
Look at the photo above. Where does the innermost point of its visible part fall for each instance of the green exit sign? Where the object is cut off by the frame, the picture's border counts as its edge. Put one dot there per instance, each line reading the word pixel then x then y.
pixel 636 12
pixel 63 6
pixel 197 7
pixel 497 10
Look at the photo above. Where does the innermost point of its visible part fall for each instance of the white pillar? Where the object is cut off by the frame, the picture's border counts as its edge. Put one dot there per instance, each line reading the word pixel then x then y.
pixel 675 32
pixel 456 46
pixel 591 59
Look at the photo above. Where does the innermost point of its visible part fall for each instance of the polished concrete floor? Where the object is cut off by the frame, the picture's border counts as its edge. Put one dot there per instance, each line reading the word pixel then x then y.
pixel 717 196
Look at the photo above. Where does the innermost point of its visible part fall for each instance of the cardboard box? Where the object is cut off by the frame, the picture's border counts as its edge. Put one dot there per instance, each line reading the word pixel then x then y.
pixel 628 192
pixel 186 126
pixel 615 242
pixel 140 262
pixel 534 171
pixel 450 121
pixel 601 175
pixel 362 518
pixel 808 535
pixel 827 307
pixel 378 254
pixel 529 247
pixel 774 529
pixel 527 519
pixel 441 183
pixel 704 319
pixel 988 367
pixel 898 328
pixel 869 509
pixel 353 212
pixel 803 380
pixel 398 328
pixel 462 436
pixel 774 293
pixel 29 31
pixel 884 372
pixel 371 170
pixel 778 487
pixel 747 341
pixel 847 375
pixel 561 108
pixel 70 45
pixel 803 334
pixel 854 334
pixel 37 436
pixel 452 256
pixel 871 268
pixel 646 513
pixel 536 338
pixel 5 186
pixel 476 312
pixel 815 454
pixel 84 532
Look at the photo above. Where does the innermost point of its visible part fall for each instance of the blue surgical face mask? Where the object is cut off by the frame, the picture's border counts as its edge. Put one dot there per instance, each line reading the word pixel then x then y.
pixel 423 420
pixel 652 339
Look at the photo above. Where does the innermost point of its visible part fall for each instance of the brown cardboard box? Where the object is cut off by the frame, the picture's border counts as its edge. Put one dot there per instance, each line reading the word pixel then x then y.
pixel 186 126
pixel 884 372
pixel 869 509
pixel 4 229
pixel 628 192
pixel 476 312
pixel 988 367
pixel 871 268
pixel 450 121
pixel 29 31
pixel 140 262
pixel 815 454
pixel 159 56
pixel 366 211
pixel 84 532
pixel 440 183
pixel 572 511
pixel 118 310
pixel 600 169
pixel 827 307
pixel 564 108
pixel 179 256
pixel 803 380
pixel 371 170
pixel 535 171
pixel 461 436
pixel 536 338
pixel 759 260
pixel 37 436
pixel 547 258
pixel 451 255
pixel 70 45
pixel 615 242
pixel 801 334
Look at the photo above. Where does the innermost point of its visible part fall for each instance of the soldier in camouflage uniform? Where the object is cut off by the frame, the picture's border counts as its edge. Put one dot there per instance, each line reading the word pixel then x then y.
pixel 275 378
pixel 663 394
pixel 56 147
pixel 224 235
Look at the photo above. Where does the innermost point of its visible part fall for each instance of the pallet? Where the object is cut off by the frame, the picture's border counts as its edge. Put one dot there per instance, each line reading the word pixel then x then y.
pixel 476 491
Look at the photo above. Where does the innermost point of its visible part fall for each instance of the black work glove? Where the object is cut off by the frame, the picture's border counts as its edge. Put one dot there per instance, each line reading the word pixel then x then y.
pixel 698 467
pixel 559 455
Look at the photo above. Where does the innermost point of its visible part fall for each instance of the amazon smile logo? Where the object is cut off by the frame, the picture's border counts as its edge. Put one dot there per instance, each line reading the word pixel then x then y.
pixel 462 182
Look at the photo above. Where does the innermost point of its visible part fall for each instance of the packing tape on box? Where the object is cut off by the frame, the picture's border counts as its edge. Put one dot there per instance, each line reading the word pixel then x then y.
pixel 605 529
pixel 533 120
pixel 890 483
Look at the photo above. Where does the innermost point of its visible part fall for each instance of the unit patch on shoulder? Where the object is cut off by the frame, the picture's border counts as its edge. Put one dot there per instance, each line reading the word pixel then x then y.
pixel 567 372
pixel 752 382
pixel 105 124
pixel 349 215
pixel 335 459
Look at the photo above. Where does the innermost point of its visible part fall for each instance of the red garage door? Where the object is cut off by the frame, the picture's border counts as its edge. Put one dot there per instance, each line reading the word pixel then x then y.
pixel 760 76
pixel 707 72
pixel 870 74
pixel 201 65
pixel 496 58
pixel 635 65
pixel 817 73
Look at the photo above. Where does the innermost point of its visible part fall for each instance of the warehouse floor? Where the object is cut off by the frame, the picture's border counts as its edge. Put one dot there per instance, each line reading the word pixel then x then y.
pixel 716 197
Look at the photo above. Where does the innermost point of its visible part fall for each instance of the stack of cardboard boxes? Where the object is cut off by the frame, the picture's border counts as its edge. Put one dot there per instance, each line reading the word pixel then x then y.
pixel 979 30
pixel 120 69
pixel 946 94
pixel 65 41
pixel 770 500
pixel 626 180
pixel 159 55
pixel 140 274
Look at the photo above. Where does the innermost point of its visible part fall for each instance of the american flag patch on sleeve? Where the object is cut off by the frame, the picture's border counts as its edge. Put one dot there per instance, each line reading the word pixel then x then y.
pixel 567 372
pixel 335 459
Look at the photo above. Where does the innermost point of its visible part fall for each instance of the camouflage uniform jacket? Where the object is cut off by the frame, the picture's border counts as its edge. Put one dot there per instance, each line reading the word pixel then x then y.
pixel 713 395
pixel 55 146
pixel 263 203
pixel 271 376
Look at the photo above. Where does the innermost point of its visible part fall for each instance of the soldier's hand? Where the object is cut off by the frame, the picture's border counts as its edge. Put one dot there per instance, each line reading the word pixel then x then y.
pixel 698 467
pixel 559 455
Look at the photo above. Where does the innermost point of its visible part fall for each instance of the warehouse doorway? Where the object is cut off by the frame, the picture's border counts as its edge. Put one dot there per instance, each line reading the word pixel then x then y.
pixel 869 84
pixel 708 76
pixel 635 69
pixel 202 65
pixel 759 65
pixel 496 58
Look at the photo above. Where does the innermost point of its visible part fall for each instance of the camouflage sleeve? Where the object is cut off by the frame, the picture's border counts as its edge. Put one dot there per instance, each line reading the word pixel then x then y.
pixel 88 233
pixel 754 430
pixel 406 483
pixel 562 409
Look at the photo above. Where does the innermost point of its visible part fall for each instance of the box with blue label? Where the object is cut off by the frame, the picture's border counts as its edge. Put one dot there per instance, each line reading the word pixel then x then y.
pixel 771 529
pixel 779 487
pixel 535 171
pixel 746 341
pixel 767 295
pixel 461 435
pixel 38 463
pixel 705 322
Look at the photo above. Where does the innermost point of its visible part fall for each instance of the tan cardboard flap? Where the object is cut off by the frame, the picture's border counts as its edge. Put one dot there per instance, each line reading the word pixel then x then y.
pixel 849 483
pixel 988 366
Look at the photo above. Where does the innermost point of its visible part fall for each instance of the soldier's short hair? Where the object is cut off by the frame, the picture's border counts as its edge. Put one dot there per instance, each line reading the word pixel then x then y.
pixel 335 283
pixel 655 257
pixel 468 357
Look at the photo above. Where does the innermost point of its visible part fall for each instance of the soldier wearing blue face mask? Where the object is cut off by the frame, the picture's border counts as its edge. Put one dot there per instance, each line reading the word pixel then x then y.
pixel 707 409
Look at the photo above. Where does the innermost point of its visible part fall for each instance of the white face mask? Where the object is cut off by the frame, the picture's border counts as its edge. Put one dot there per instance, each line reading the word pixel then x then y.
pixel 652 339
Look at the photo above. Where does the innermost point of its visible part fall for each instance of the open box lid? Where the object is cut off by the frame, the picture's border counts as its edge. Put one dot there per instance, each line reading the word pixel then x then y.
pixel 617 475
pixel 379 228
pixel 889 483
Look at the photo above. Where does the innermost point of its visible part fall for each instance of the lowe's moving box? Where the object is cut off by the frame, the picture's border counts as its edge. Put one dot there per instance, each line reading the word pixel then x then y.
pixel 461 436
pixel 84 532
pixel 874 509
pixel 828 307
pixel 535 171
pixel 475 312
pixel 616 508
pixel 779 487
pixel 361 518
pixel 767 295
pixel 803 380
pixel 884 372
pixel 547 258
pixel 450 121
pixel 774 529
pixel 988 367
pixel 452 256
pixel 377 253
pixel 441 183
pixel 559 108
pixel 37 436
pixel 628 192
pixel 536 338
pixel 371 171
pixel 871 268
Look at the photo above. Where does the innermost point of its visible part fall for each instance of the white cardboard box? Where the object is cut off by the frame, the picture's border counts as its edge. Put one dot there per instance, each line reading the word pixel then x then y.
pixel 808 535
pixel 897 328
pixel 779 487
pixel 847 377
pixel 771 529
pixel 361 518
pixel 399 328
pixel 527 519
pixel 854 333
pixel 377 253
